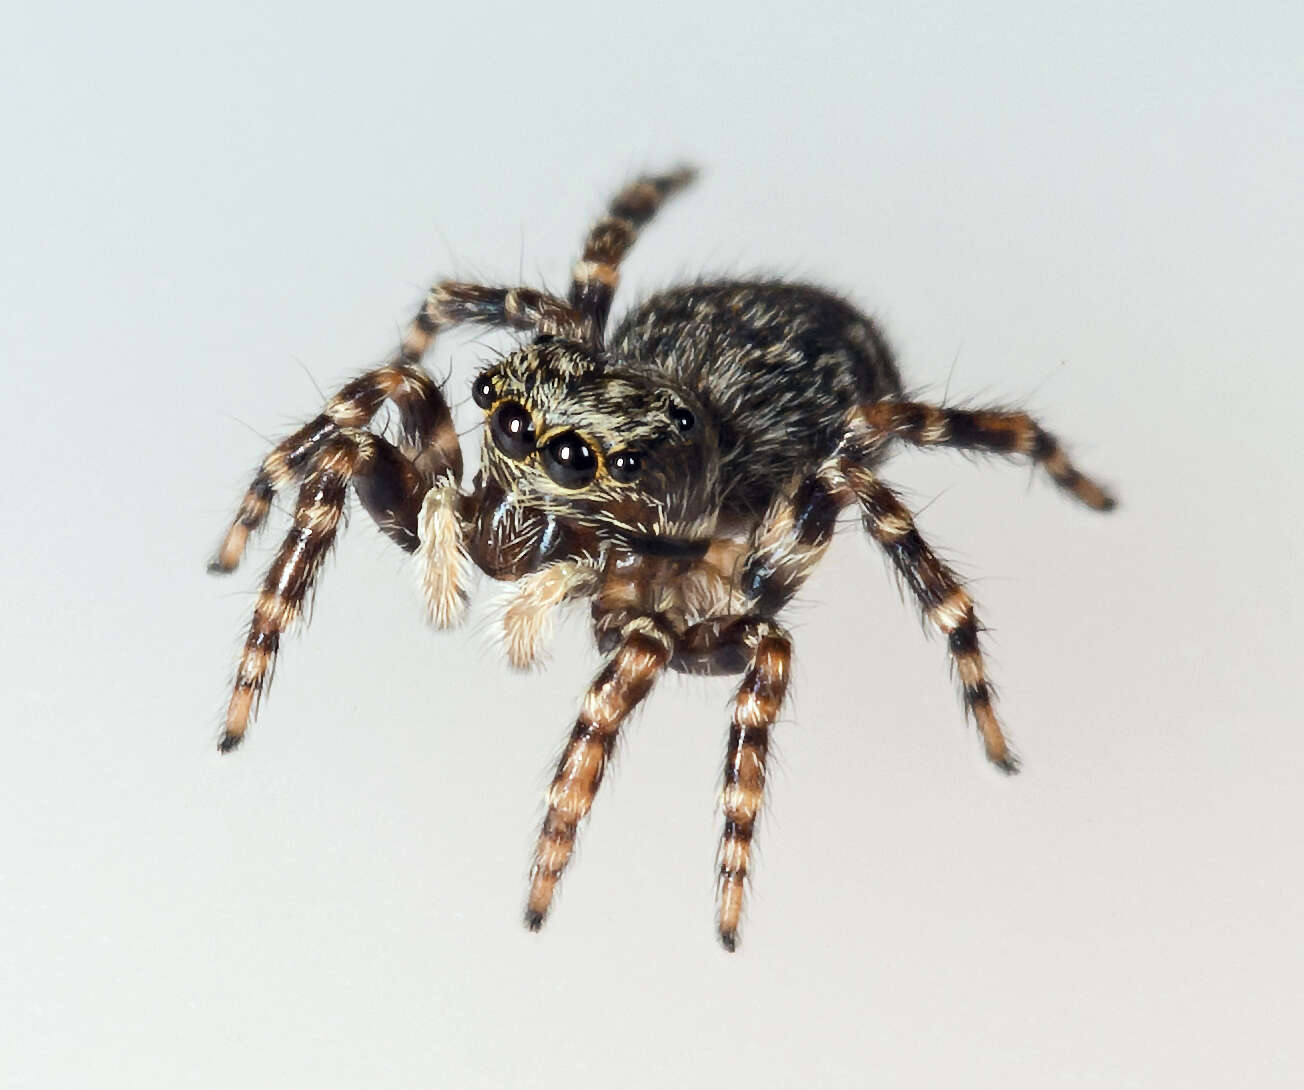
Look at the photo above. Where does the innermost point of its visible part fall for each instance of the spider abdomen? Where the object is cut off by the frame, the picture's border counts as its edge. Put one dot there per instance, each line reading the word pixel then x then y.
pixel 776 363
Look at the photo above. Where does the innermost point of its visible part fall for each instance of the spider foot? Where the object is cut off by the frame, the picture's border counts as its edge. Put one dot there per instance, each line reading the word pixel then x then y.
pixel 1009 764
pixel 228 555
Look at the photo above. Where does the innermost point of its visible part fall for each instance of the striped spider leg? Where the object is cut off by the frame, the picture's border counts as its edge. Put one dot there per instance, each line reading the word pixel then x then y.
pixel 785 547
pixel 793 537
pixel 395 483
pixel 757 704
pixel 642 652
pixel 989 431
pixel 597 273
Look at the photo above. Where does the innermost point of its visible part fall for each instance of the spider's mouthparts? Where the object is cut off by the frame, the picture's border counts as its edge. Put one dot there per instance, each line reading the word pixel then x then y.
pixel 680 548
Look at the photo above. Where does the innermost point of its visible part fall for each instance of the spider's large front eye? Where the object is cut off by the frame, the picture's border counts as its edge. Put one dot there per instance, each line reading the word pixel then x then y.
pixel 513 430
pixel 482 391
pixel 569 461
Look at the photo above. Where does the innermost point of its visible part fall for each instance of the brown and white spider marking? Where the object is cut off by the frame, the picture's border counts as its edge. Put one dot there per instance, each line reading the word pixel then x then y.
pixel 683 472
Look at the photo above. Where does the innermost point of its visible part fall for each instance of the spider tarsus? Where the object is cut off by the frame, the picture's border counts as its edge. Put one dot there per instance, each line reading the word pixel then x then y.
pixel 533 919
pixel 228 742
pixel 729 940
pixel 1008 764
pixel 217 567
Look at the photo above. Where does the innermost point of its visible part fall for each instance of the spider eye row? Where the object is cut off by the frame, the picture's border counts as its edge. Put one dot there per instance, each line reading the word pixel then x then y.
pixel 567 457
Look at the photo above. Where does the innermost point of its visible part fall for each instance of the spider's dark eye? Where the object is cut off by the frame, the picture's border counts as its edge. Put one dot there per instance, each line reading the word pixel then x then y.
pixel 569 461
pixel 482 392
pixel 513 430
pixel 684 420
pixel 625 465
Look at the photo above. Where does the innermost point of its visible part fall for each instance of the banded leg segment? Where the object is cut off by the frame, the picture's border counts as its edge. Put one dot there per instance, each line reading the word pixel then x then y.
pixel 597 273
pixel 756 707
pixel 429 437
pixel 992 431
pixel 943 599
pixel 429 441
pixel 792 538
pixel 346 458
pixel 622 684
pixel 525 309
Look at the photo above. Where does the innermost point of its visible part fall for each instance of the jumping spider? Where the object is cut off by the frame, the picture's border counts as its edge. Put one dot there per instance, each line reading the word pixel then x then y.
pixel 684 473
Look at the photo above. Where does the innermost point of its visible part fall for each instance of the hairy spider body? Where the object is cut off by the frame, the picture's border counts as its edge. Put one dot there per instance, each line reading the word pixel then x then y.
pixel 684 476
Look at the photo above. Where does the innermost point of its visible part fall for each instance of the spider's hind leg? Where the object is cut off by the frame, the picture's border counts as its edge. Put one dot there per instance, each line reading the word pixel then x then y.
pixel 991 431
pixel 940 594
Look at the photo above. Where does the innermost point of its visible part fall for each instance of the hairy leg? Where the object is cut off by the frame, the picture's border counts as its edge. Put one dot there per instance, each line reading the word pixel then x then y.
pixel 756 707
pixel 597 273
pixel 428 437
pixel 939 593
pixel 627 677
pixel 351 456
pixel 992 431
pixel 792 538
pixel 429 441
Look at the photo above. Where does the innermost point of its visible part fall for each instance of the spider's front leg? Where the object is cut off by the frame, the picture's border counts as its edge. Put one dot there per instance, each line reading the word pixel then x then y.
pixel 429 440
pixel 429 437
pixel 390 487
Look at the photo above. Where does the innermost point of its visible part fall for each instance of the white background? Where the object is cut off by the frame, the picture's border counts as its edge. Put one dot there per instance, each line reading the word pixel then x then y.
pixel 1092 211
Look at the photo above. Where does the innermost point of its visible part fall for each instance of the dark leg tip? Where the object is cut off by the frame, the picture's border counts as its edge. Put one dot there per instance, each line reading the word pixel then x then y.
pixel 729 940
pixel 533 919
pixel 1107 503
pixel 228 742
pixel 1008 765
pixel 216 567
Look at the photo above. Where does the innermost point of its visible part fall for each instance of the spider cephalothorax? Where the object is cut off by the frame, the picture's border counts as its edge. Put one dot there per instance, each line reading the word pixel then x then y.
pixel 629 453
pixel 684 476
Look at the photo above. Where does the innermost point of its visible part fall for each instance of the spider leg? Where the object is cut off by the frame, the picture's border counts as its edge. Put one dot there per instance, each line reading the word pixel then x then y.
pixel 624 681
pixel 794 534
pixel 940 594
pixel 428 435
pixel 992 431
pixel 756 707
pixel 390 487
pixel 429 440
pixel 792 537
pixel 597 273
pixel 524 309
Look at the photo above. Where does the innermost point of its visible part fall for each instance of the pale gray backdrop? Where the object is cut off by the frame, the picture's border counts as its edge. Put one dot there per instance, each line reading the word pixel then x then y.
pixel 1091 211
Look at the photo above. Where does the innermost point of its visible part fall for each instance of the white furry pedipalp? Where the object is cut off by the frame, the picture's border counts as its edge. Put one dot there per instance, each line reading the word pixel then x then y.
pixel 443 564
pixel 526 620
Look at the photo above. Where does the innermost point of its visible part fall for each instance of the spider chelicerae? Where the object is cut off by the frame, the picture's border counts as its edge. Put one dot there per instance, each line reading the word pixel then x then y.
pixel 683 472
